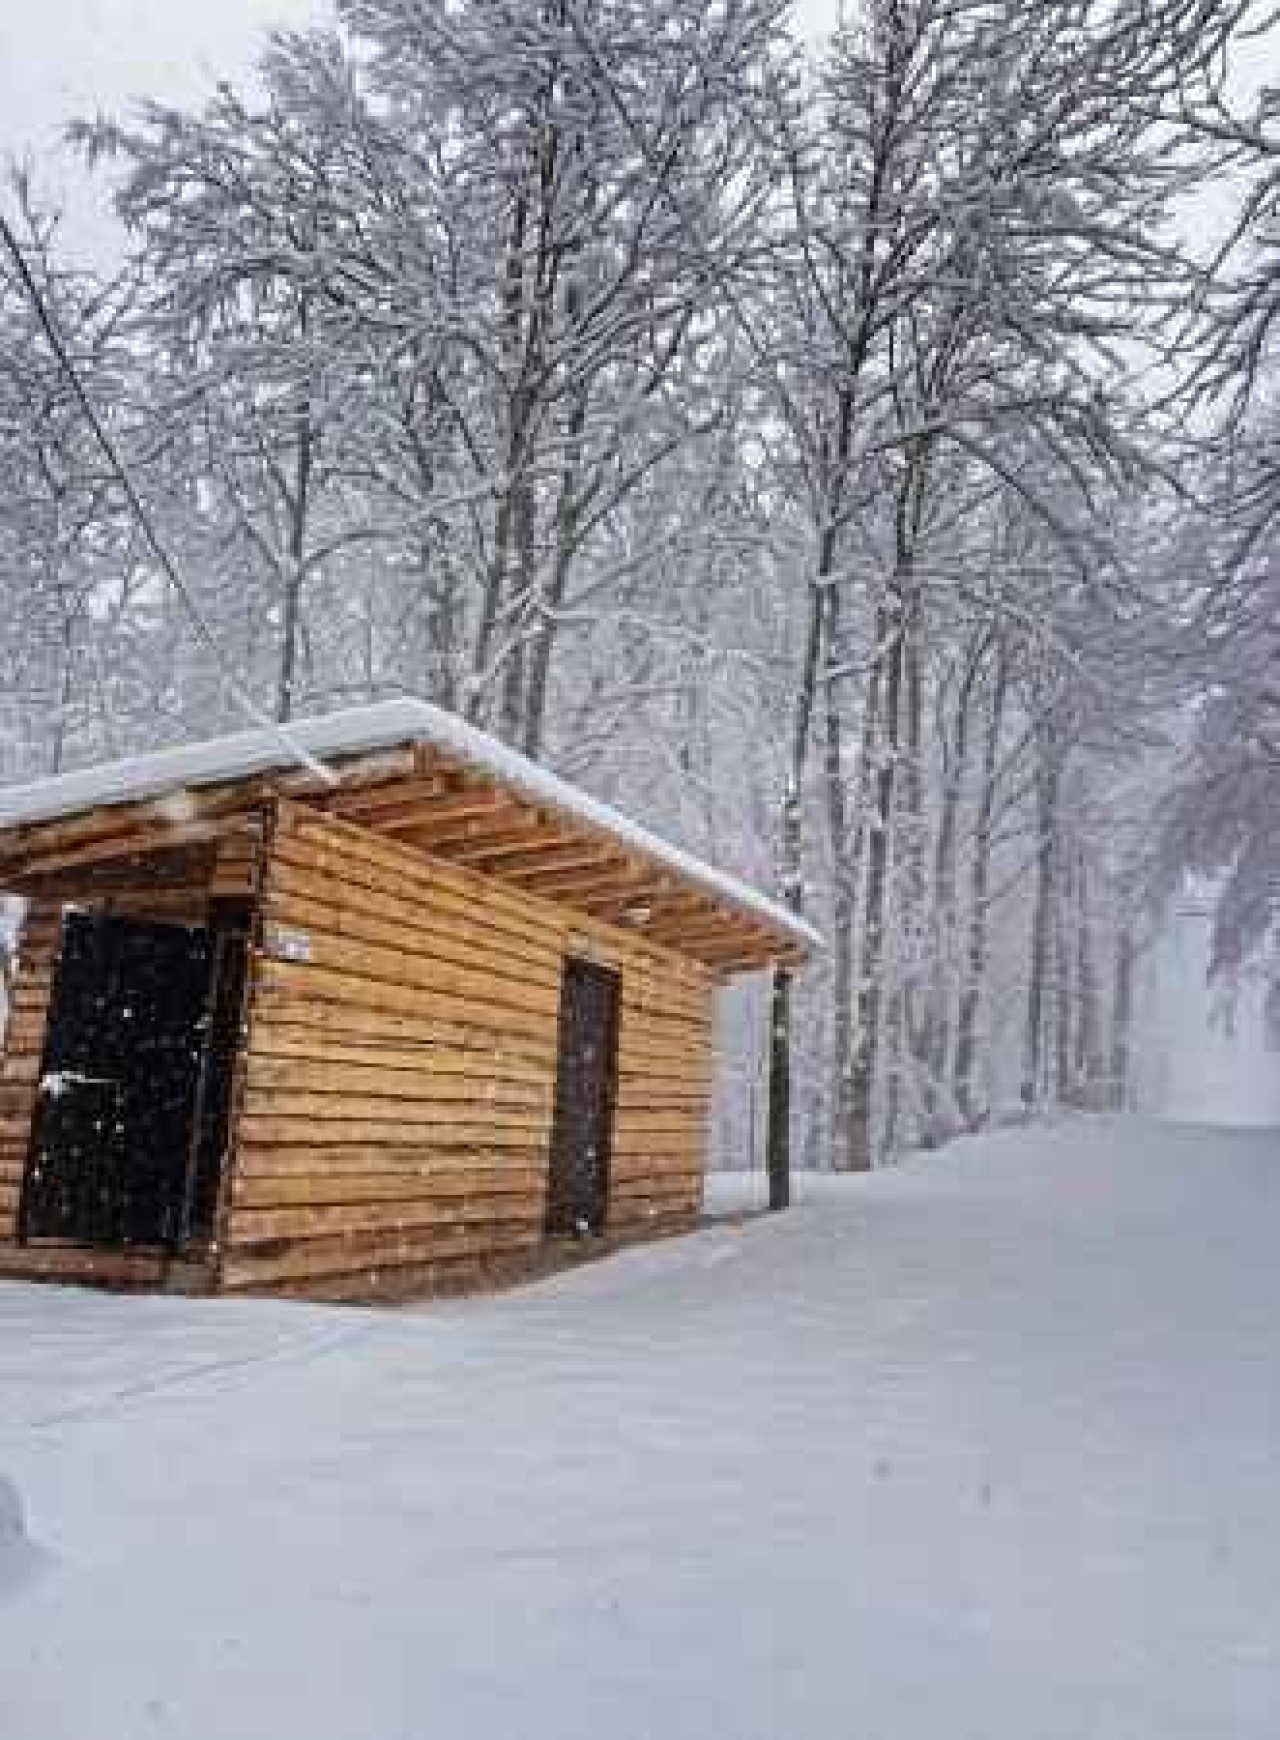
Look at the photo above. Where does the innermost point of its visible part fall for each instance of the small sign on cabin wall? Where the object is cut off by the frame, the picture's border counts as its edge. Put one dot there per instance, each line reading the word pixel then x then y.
pixel 284 944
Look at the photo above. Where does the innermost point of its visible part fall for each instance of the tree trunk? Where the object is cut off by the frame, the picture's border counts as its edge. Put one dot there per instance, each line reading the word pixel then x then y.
pixel 936 1036
pixel 792 869
pixel 1122 1020
pixel 870 997
pixel 566 546
pixel 1087 1062
pixel 912 1018
pixel 895 1049
pixel 294 577
pixel 444 618
pixel 979 886
pixel 514 337
pixel 518 617
pixel 1047 777
pixel 899 617
pixel 844 872
pixel 1064 1085
pixel 792 865
pixel 66 688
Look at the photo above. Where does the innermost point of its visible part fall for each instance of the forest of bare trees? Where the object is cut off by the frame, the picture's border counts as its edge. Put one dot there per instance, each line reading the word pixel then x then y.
pixel 860 461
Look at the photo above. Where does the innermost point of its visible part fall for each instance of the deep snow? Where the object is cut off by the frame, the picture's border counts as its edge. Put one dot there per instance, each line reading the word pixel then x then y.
pixel 987 1446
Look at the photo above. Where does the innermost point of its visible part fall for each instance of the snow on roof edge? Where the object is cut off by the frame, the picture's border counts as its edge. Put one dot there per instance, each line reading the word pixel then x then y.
pixel 360 730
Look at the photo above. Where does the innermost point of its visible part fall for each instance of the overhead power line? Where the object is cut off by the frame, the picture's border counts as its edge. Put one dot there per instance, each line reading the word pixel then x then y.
pixel 235 687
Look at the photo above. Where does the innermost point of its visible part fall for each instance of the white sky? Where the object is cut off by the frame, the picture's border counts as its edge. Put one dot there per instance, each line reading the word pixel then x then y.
pixel 65 58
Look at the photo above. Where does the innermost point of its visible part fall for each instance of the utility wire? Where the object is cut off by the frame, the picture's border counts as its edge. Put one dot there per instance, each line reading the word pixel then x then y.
pixel 235 687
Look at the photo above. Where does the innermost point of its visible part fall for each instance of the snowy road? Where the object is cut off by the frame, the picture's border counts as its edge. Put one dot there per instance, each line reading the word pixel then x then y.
pixel 987 1447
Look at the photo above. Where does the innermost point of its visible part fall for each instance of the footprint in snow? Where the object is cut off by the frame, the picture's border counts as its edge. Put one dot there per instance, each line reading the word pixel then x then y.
pixel 21 1559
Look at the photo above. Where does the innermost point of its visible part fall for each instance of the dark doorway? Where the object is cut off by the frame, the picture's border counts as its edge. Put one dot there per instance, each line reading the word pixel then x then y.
pixel 582 1127
pixel 128 1134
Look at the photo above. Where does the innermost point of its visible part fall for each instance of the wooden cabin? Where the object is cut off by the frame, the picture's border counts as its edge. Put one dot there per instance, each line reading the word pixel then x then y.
pixel 370 1010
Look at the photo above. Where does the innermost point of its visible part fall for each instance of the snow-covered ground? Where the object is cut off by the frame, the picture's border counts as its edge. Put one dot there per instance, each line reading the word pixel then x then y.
pixel 987 1446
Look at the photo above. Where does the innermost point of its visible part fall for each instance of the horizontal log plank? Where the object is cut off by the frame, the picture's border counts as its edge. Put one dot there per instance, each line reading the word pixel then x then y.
pixel 16 1098
pixel 309 1190
pixel 407 1282
pixel 418 1160
pixel 19 1068
pixel 529 1112
pixel 356 1254
pixel 323 1029
pixel 449 1217
pixel 429 1073
pixel 640 1168
pixel 76 1263
pixel 296 986
pixel 482 1132
pixel 429 1101
pixel 654 1183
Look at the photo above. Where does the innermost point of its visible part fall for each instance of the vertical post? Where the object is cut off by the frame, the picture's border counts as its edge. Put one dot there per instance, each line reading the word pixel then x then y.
pixel 200 1105
pixel 778 1138
pixel 1122 1021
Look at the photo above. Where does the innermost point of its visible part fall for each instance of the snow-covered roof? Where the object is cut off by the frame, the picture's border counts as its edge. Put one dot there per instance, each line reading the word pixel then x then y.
pixel 366 730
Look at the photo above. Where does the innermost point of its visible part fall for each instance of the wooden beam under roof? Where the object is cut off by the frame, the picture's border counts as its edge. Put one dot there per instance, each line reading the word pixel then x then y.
pixel 375 805
pixel 437 802
pixel 695 932
pixel 489 853
pixel 525 866
pixel 132 848
pixel 115 822
pixel 580 887
pixel 159 870
pixel 487 824
pixel 638 890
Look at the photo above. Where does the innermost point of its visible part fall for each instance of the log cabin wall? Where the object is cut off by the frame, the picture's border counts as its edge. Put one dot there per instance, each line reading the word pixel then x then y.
pixel 395 1119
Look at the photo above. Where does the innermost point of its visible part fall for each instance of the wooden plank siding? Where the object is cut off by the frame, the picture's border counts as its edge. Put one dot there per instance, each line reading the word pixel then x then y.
pixel 395 1115
pixel 23 1048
